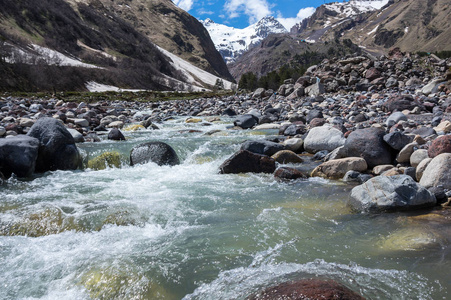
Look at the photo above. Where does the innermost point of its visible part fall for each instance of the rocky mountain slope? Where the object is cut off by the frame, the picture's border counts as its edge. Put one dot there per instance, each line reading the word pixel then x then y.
pixel 232 42
pixel 63 44
pixel 380 25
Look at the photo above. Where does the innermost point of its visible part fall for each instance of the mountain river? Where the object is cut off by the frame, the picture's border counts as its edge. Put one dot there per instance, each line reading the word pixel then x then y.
pixel 187 232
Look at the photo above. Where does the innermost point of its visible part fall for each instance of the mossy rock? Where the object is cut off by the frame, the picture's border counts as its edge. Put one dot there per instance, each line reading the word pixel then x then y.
pixel 134 127
pixel 193 120
pixel 49 221
pixel 412 239
pixel 120 218
pixel 121 283
pixel 104 160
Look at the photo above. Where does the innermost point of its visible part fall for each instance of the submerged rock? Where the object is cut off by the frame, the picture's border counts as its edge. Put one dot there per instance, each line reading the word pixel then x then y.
pixel 385 193
pixel 247 162
pixel 104 160
pixel 312 289
pixel 157 152
pixel 57 149
pixel 287 173
pixel 18 155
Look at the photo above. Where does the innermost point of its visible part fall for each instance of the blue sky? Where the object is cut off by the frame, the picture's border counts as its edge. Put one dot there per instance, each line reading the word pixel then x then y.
pixel 242 13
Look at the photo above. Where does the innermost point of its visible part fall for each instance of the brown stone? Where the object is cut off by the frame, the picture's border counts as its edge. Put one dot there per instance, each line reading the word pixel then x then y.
pixel 312 289
pixel 440 145
pixel 287 173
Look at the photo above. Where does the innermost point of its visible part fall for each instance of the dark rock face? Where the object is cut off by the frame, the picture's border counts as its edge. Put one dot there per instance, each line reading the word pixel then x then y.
pixel 116 135
pixel 440 145
pixel 247 162
pixel 287 173
pixel 157 152
pixel 369 144
pixel 262 147
pixel 397 140
pixel 400 103
pixel 246 121
pixel 57 149
pixel 18 155
pixel 312 289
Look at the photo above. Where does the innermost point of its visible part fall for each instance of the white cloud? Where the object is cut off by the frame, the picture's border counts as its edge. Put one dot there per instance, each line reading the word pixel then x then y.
pixel 302 14
pixel 255 10
pixel 186 5
pixel 202 11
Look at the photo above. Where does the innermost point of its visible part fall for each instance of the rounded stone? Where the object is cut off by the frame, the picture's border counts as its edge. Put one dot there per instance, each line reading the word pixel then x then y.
pixel 157 152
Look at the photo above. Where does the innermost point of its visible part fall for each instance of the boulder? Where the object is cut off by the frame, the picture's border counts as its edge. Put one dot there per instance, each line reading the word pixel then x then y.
pixel 394 118
pixel 323 138
pixel 286 157
pixel 311 289
pixel 337 168
pixel 315 89
pixel 397 140
pixel 440 145
pixel 388 193
pixel 369 144
pixel 157 152
pixel 421 167
pixel 259 93
pixel 294 144
pixel 406 152
pixel 262 147
pixel 245 161
pixel 438 172
pixel 78 137
pixel 418 156
pixel 57 149
pixel 287 173
pixel 246 121
pixel 116 135
pixel 18 155
pixel 400 103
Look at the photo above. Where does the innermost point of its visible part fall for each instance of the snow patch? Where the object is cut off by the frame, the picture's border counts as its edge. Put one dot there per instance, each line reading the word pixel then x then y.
pixel 373 31
pixel 93 87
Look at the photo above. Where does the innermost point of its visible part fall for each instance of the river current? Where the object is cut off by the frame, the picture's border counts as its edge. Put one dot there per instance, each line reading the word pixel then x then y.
pixel 188 232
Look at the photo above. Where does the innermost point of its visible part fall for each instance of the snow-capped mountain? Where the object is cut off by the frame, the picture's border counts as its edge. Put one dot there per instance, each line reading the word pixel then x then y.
pixel 232 42
pixel 333 14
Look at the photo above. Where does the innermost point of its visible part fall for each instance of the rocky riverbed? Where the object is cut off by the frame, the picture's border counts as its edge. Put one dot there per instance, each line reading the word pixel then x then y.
pixel 382 125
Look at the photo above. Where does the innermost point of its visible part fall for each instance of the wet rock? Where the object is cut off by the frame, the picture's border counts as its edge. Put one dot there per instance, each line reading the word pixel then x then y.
pixel 247 162
pixel 78 137
pixel 323 138
pixel 116 135
pixel 57 149
pixel 337 168
pixel 357 177
pixel 320 155
pixel 287 173
pixel 387 193
pixel 312 289
pixel 369 144
pixel 286 157
pixel 105 160
pixel 262 147
pixel 18 155
pixel 440 145
pixel 157 152
pixel 438 172
pixel 246 121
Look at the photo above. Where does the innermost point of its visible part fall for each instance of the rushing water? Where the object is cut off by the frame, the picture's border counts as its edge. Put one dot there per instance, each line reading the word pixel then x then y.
pixel 187 232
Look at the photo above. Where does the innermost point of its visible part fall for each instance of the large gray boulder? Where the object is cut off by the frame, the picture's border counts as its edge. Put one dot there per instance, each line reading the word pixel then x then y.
pixel 57 149
pixel 18 155
pixel 438 172
pixel 246 121
pixel 388 193
pixel 323 138
pixel 262 147
pixel 369 144
pixel 157 152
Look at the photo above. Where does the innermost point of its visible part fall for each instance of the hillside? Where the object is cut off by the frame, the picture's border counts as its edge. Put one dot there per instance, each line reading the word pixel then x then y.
pixel 62 45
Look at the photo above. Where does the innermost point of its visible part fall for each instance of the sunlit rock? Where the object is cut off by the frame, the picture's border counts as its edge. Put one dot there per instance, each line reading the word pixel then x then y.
pixel 105 160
